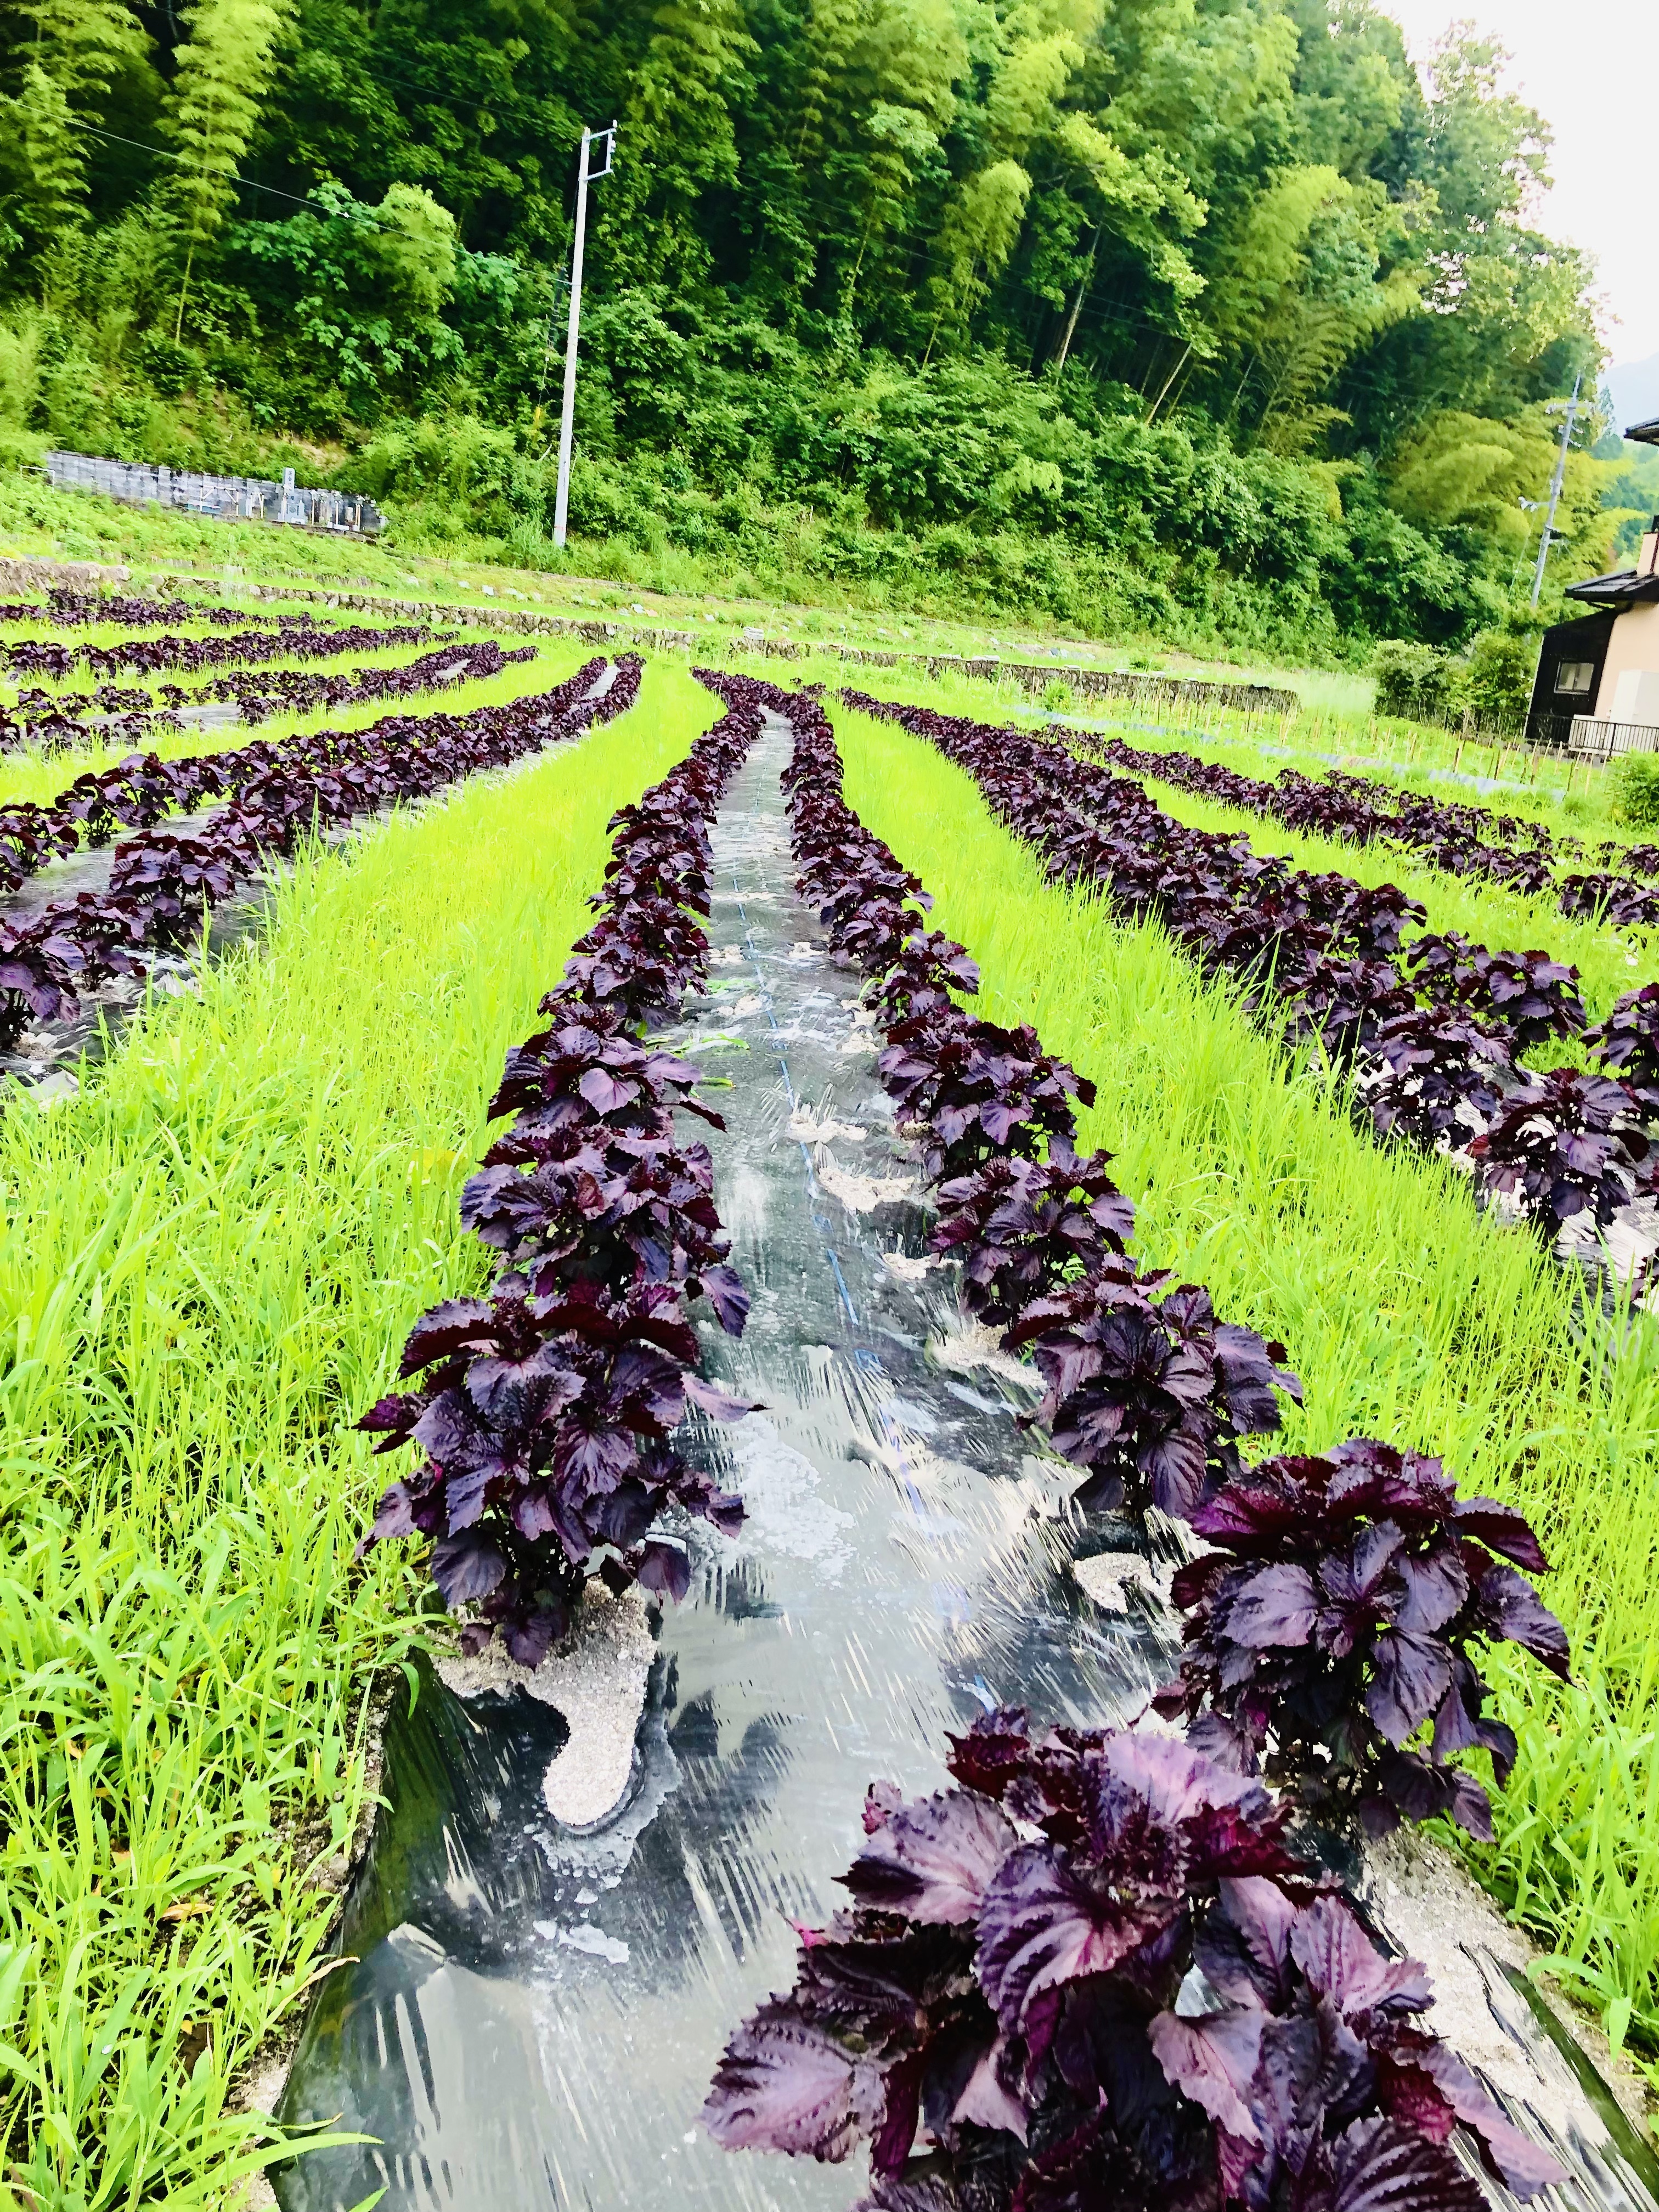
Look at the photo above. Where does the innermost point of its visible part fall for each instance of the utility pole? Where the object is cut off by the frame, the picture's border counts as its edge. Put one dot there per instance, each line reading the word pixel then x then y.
pixel 584 176
pixel 1556 481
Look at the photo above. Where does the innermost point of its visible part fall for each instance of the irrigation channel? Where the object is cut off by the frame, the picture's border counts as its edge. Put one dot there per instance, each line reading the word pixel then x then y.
pixel 527 2011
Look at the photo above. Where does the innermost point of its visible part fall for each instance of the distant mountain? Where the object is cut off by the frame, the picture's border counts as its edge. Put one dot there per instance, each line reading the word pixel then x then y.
pixel 1635 388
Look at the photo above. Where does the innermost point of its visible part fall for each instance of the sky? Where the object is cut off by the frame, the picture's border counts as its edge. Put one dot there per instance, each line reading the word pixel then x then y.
pixel 1592 70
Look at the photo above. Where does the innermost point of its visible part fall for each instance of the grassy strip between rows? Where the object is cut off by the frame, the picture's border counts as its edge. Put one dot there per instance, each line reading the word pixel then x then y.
pixel 208 1264
pixel 1408 1317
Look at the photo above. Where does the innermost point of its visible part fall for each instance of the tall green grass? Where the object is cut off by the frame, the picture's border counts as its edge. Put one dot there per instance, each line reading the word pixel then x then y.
pixel 208 1264
pixel 1408 1317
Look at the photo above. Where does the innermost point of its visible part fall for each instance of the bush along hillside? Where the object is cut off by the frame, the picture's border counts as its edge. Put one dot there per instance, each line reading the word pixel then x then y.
pixel 1229 323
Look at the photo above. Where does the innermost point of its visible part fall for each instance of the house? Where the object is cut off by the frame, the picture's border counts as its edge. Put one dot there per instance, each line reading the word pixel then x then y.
pixel 1597 686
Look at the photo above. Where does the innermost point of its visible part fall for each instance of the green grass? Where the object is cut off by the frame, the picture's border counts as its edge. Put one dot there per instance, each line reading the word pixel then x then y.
pixel 1408 1317
pixel 208 1264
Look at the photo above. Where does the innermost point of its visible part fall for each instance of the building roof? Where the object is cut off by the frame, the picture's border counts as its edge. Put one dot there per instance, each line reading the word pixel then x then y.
pixel 1644 434
pixel 1623 588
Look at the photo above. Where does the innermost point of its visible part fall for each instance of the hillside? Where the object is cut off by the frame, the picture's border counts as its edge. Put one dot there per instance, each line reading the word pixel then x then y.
pixel 1225 324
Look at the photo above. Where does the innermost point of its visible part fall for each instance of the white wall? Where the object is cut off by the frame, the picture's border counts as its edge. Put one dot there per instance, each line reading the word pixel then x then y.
pixel 1632 650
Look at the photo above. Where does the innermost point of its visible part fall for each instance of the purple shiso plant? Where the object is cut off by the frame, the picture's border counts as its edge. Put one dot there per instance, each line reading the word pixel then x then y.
pixel 544 1412
pixel 51 722
pixel 1329 1630
pixel 286 641
pixel 1094 1978
pixel 278 794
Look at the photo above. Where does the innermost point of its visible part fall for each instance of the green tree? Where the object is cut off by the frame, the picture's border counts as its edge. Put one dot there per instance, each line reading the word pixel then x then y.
pixel 71 51
pixel 223 72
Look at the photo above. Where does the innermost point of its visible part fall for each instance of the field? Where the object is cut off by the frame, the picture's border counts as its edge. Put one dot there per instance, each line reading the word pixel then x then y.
pixel 286 998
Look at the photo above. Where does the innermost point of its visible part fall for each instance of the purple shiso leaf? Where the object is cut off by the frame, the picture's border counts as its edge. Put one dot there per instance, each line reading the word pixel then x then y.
pixel 785 2084
pixel 1042 1925
pixel 729 1296
pixel 1244 1948
pixel 719 1404
pixel 1277 1606
pixel 1412 1675
pixel 1213 2061
pixel 448 1328
pixel 1501 1529
pixel 466 1567
pixel 1380 2166
pixel 986 2101
pixel 664 1568
pixel 1342 1963
pixel 931 1860
pixel 1506 1605
pixel 1178 1783
pixel 1524 2167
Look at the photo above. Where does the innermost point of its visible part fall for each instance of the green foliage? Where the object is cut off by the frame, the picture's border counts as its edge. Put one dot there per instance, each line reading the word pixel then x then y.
pixel 1414 681
pixel 1635 779
pixel 1147 309
pixel 222 71
pixel 1499 674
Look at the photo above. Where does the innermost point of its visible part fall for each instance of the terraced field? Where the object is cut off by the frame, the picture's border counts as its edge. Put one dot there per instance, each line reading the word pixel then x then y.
pixel 567 1324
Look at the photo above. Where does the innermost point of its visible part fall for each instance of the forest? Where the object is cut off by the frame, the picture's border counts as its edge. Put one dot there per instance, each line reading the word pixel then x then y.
pixel 1220 320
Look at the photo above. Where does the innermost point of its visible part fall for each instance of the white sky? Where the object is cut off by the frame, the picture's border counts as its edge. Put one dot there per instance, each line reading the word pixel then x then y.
pixel 1592 70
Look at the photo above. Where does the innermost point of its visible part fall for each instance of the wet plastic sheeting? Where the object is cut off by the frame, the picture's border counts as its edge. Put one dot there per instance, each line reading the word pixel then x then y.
pixel 532 2016
pixel 535 2016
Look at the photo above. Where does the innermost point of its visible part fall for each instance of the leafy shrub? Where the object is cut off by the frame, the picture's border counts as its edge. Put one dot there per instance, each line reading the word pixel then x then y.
pixel 1025 1226
pixel 1146 1389
pixel 1635 781
pixel 1627 1044
pixel 1526 996
pixel 1432 1062
pixel 1416 682
pixel 1498 681
pixel 1137 1996
pixel 1333 1619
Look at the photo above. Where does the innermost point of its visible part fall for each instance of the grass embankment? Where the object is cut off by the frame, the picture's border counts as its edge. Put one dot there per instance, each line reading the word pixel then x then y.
pixel 1407 1317
pixel 208 1264
pixel 29 774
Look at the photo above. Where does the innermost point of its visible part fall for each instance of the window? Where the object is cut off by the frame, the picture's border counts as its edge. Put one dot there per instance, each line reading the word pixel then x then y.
pixel 1575 676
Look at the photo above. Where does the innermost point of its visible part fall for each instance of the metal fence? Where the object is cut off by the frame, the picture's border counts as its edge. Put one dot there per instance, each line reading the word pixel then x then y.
pixel 1597 740
pixel 247 499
